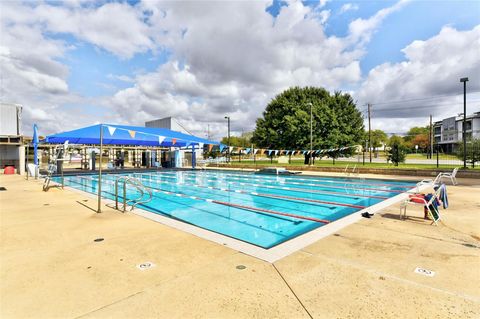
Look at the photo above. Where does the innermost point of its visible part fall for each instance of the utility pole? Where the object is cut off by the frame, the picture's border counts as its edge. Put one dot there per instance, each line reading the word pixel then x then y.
pixel 430 138
pixel 464 125
pixel 369 133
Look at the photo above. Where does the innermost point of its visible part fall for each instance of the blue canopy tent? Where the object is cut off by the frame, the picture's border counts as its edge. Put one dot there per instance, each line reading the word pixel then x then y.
pixel 126 135
pixel 112 134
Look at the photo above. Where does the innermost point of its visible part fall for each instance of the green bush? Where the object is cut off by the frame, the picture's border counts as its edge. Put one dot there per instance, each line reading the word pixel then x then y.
pixel 397 151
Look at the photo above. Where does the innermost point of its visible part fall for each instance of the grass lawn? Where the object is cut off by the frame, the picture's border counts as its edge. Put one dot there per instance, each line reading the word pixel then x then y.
pixel 341 164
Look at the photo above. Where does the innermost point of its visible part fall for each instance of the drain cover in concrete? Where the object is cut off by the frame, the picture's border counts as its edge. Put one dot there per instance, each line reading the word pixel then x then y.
pixel 145 265
pixel 424 272
pixel 240 267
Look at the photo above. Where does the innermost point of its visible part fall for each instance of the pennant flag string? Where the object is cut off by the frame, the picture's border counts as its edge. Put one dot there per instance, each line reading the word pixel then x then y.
pixel 111 130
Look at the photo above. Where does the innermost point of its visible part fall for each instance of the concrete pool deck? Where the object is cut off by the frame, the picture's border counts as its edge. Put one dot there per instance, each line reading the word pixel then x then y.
pixel 50 266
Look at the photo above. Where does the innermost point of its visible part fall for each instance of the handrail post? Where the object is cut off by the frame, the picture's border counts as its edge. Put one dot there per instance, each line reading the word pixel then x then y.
pixel 116 194
pixel 124 196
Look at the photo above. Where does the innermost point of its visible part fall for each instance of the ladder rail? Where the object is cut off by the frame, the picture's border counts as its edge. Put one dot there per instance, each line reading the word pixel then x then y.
pixel 142 189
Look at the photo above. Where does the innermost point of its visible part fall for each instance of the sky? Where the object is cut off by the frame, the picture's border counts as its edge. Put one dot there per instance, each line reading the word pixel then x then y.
pixel 78 63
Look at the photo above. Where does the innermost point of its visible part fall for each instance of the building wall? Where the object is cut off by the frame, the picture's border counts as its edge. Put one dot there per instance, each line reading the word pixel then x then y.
pixel 12 151
pixel 449 132
pixel 10 119
pixel 168 123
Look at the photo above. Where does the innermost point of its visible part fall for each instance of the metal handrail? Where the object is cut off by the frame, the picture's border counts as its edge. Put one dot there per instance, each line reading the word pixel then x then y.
pixel 138 185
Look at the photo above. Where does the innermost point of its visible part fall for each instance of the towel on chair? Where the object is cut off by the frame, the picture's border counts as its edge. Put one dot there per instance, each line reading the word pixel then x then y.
pixel 433 206
pixel 443 195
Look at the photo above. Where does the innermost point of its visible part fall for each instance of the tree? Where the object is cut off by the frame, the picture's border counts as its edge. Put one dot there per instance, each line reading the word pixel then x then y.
pixel 379 138
pixel 396 151
pixel 473 151
pixel 421 140
pixel 416 130
pixel 286 120
pixel 243 140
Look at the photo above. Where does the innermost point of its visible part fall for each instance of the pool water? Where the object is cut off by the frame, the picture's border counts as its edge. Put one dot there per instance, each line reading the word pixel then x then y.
pixel 264 210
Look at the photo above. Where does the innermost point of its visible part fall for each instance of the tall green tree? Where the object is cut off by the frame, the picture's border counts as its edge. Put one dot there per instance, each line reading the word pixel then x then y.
pixel 379 138
pixel 286 120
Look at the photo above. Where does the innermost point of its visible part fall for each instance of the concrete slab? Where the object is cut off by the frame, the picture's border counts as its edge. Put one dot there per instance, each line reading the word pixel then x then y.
pixel 50 266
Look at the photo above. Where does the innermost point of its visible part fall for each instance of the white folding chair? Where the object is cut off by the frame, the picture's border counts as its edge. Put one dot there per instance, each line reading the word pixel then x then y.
pixel 451 175
pixel 434 214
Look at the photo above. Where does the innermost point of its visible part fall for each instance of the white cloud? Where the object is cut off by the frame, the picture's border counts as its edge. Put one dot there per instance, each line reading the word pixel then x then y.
pixel 361 30
pixel 236 57
pixel 348 7
pixel 230 59
pixel 432 69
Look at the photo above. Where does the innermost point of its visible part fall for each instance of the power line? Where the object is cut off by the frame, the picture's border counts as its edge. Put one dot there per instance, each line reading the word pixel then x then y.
pixel 418 107
pixel 424 98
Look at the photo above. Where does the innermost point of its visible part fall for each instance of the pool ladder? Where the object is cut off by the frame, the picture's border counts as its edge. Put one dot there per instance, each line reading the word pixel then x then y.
pixel 142 189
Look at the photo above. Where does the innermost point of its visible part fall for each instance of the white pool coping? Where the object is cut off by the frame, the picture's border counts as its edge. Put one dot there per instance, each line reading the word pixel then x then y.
pixel 275 253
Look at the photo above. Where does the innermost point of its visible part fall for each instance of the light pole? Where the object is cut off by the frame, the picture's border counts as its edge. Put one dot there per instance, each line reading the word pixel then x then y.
pixel 464 80
pixel 311 134
pixel 228 121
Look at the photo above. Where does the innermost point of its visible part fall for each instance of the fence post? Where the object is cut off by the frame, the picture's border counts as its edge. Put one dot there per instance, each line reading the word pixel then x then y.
pixel 473 155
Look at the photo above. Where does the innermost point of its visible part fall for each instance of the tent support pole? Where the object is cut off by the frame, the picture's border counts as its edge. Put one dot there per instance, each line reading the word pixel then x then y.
pixel 193 156
pixel 99 209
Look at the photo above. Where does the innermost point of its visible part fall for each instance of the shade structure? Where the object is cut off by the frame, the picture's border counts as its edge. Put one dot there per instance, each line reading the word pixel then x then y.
pixel 114 134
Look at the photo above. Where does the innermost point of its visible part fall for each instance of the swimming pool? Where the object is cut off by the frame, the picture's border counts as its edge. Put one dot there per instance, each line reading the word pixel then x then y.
pixel 263 210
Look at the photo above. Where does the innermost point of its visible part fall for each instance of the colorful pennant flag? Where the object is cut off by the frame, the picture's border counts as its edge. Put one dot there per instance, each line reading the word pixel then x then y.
pixel 161 139
pixel 262 151
pixel 174 140
pixel 247 150
pixel 132 133
pixel 111 130
pixel 210 146
pixel 276 152
pixel 255 151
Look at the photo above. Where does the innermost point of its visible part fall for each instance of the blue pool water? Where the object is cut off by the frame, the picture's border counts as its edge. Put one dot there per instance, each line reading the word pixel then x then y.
pixel 264 210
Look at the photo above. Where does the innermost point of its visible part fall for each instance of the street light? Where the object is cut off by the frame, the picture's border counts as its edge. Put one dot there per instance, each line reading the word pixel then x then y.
pixel 464 80
pixel 311 135
pixel 228 121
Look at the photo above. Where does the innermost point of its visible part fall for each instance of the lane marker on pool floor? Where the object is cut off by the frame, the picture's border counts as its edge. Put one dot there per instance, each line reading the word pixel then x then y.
pixel 272 195
pixel 247 208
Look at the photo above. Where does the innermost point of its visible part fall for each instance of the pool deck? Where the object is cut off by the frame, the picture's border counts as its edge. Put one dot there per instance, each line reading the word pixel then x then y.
pixel 50 266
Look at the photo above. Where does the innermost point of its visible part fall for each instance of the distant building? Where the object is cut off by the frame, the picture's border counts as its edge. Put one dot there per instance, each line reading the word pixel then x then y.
pixel 172 124
pixel 447 133
pixel 12 150
pixel 168 123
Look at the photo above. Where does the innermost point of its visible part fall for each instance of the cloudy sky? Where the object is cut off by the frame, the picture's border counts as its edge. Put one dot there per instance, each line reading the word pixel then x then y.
pixel 76 63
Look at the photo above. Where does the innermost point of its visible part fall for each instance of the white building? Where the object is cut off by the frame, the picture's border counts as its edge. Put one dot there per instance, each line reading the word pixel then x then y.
pixel 168 123
pixel 12 151
pixel 448 132
pixel 183 158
